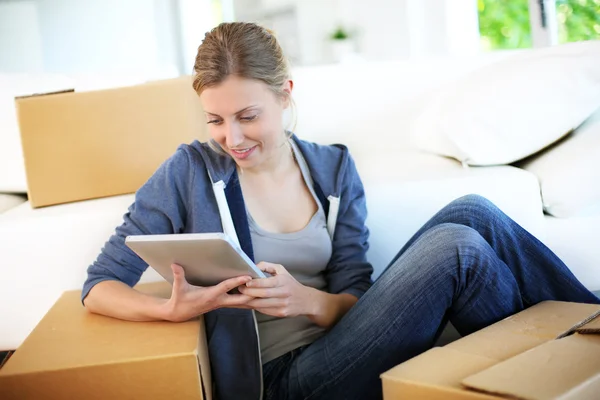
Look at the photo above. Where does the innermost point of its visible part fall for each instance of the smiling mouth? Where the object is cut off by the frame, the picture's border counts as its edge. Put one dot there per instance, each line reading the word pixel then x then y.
pixel 242 154
pixel 241 151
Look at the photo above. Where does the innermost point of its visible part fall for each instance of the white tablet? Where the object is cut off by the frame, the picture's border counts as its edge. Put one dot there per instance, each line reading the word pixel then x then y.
pixel 207 258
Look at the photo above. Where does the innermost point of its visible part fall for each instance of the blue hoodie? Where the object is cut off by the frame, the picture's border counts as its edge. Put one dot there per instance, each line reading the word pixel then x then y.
pixel 185 195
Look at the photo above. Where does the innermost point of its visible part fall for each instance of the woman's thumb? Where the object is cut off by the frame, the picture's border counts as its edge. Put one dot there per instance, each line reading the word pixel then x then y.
pixel 178 272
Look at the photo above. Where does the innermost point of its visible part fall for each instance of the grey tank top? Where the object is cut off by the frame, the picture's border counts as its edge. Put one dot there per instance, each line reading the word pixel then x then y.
pixel 305 254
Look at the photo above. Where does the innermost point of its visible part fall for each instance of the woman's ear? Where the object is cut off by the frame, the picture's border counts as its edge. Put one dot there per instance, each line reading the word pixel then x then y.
pixel 288 86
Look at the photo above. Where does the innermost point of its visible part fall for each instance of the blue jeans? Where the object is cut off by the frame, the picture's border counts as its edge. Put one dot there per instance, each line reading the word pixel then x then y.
pixel 470 264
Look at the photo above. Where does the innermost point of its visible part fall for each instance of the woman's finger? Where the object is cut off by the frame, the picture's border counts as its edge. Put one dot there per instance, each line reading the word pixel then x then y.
pixel 265 292
pixel 236 300
pixel 271 282
pixel 271 302
pixel 232 283
pixel 273 269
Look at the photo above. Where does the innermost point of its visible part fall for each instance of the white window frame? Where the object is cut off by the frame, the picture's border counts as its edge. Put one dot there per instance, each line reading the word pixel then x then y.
pixel 544 24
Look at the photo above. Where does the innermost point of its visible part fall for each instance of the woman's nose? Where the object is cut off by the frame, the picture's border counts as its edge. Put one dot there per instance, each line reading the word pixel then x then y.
pixel 233 136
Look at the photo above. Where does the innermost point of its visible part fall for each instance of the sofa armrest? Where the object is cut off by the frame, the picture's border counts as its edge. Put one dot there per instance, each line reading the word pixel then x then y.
pixel 8 201
pixel 46 251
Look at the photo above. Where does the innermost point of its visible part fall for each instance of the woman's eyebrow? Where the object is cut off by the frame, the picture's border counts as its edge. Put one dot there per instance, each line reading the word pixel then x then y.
pixel 238 112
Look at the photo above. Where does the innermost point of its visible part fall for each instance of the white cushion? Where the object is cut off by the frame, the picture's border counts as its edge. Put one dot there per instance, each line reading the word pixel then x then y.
pixel 569 172
pixel 575 241
pixel 369 106
pixel 8 201
pixel 511 109
pixel 403 192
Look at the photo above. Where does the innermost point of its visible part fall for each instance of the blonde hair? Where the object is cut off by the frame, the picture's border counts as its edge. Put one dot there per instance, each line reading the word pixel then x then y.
pixel 244 49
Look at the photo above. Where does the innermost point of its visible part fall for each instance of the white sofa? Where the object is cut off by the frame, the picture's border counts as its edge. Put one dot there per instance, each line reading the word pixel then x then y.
pixel 366 106
pixel 10 200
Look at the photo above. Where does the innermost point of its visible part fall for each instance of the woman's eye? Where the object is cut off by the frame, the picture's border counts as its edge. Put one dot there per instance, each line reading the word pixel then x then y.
pixel 248 119
pixel 214 121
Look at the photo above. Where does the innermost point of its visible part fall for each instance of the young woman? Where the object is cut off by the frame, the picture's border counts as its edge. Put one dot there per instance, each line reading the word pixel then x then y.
pixel 318 328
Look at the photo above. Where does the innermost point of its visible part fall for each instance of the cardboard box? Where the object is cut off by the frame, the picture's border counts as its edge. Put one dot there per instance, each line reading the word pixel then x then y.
pixel 80 146
pixel 73 354
pixel 549 351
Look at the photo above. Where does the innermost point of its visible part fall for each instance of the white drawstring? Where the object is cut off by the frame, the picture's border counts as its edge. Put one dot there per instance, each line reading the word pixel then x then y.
pixel 226 220
pixel 334 208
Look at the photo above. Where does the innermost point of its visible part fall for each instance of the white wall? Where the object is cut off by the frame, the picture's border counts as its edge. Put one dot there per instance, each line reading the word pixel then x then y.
pixel 380 25
pixel 197 17
pixel 383 29
pixel 302 26
pixel 314 28
pixel 92 37
pixel 426 21
pixel 282 16
pixel 461 27
pixel 20 40
pixel 156 38
pixel 167 31
pixel 401 29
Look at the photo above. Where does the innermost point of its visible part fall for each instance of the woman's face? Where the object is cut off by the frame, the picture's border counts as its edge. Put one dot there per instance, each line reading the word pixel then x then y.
pixel 245 118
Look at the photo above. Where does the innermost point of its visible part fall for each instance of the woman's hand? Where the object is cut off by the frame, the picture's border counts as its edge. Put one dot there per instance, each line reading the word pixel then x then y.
pixel 279 295
pixel 188 301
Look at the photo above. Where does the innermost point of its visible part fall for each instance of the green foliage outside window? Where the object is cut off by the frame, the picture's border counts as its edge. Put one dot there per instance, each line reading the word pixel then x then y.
pixel 504 24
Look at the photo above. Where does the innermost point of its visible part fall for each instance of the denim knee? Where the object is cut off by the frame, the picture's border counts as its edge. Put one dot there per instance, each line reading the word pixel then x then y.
pixel 472 200
pixel 457 240
pixel 443 249
pixel 471 206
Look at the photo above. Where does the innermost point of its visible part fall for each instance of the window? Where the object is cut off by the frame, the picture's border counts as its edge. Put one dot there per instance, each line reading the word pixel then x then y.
pixel 578 20
pixel 508 24
pixel 504 24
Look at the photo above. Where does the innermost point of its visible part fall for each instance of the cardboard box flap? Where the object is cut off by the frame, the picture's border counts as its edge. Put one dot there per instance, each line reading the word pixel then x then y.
pixel 44 93
pixel 566 368
pixel 590 326
pixel 439 366
pixel 519 357
pixel 523 331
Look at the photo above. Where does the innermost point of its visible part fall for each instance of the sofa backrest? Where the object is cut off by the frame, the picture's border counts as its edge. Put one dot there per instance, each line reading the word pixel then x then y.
pixel 371 105
pixel 366 106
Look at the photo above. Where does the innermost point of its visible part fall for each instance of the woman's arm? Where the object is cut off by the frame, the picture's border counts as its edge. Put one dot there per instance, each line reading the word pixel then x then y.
pixel 118 300
pixel 348 273
pixel 348 270
pixel 160 207
pixel 328 309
